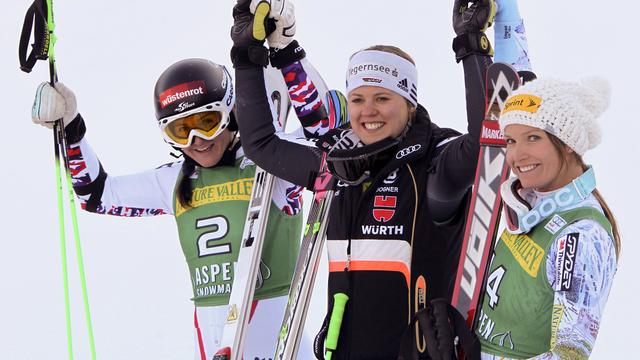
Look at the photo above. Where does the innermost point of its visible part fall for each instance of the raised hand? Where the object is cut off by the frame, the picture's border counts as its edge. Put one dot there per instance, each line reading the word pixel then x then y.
pixel 51 104
pixel 469 24
pixel 249 32
pixel 475 18
pixel 283 14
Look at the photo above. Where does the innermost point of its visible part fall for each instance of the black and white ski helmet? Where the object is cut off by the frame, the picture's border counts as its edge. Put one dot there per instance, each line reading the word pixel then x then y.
pixel 191 84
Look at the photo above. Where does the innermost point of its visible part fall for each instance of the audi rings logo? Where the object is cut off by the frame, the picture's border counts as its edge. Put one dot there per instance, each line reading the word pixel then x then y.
pixel 408 150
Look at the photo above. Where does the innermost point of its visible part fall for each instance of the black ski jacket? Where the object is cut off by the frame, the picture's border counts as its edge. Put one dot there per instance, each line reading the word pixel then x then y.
pixel 403 227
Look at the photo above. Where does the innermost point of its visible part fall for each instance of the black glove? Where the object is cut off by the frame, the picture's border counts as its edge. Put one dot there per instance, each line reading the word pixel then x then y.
pixel 469 23
pixel 441 323
pixel 248 34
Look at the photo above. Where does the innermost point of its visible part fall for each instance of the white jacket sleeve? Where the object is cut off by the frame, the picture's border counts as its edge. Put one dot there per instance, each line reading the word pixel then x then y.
pixel 144 194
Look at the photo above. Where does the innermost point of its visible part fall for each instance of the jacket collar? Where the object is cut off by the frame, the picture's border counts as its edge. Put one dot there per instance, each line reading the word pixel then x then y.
pixel 416 142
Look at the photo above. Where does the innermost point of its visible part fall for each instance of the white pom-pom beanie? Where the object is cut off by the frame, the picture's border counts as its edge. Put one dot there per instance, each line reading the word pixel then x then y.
pixel 565 109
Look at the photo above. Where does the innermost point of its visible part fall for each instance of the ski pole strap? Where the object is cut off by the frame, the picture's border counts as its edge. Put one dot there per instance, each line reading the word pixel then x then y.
pixel 435 325
pixel 467 339
pixel 318 342
pixel 36 20
pixel 408 349
pixel 339 303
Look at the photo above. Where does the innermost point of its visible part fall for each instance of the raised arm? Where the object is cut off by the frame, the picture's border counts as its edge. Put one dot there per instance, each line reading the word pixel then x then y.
pixel 143 194
pixel 305 85
pixel 295 160
pixel 510 38
pixel 306 89
pixel 455 165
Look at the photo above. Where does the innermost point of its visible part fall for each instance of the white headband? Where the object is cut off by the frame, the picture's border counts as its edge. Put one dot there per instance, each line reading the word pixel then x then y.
pixel 383 69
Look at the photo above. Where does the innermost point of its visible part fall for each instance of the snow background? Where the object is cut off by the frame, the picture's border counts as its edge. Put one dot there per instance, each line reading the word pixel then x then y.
pixel 110 54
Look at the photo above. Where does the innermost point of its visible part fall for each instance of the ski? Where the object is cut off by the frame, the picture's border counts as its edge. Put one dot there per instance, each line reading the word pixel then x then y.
pixel 306 268
pixel 247 266
pixel 485 206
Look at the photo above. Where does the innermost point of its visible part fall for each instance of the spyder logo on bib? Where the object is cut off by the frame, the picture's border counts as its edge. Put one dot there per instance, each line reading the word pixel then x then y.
pixel 566 261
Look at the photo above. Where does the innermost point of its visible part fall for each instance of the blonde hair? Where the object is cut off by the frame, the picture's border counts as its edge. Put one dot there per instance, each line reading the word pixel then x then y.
pixel 390 49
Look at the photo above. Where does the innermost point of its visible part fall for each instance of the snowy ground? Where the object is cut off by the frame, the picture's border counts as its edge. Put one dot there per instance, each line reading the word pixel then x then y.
pixel 111 53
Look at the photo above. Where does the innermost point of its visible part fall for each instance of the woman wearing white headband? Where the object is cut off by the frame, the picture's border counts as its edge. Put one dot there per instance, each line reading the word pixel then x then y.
pixel 397 217
pixel 554 264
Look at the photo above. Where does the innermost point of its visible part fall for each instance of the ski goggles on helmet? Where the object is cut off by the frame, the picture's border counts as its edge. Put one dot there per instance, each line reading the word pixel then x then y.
pixel 353 166
pixel 205 122
pixel 521 217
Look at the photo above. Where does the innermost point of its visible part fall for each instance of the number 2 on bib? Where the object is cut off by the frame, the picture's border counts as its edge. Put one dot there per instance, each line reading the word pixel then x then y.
pixel 220 226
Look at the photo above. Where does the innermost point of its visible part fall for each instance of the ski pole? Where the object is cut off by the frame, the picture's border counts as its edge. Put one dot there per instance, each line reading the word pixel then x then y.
pixel 57 149
pixel 44 48
pixel 63 242
pixel 61 144
pixel 331 343
pixel 313 239
pixel 78 248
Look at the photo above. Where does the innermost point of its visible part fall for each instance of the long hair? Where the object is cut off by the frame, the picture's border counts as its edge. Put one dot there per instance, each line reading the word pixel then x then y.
pixel 185 192
pixel 560 146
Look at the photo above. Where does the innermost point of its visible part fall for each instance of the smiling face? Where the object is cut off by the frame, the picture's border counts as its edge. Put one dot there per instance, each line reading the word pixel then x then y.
pixel 207 153
pixel 535 160
pixel 377 113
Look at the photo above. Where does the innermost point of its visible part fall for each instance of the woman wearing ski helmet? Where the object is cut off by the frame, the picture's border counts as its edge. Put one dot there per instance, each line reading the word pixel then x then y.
pixel 554 264
pixel 397 217
pixel 207 193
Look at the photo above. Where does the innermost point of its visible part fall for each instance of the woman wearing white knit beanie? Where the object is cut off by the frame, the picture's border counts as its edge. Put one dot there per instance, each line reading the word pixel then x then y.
pixel 554 264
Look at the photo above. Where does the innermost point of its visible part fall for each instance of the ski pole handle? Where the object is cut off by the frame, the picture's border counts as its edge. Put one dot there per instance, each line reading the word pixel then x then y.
pixel 331 343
